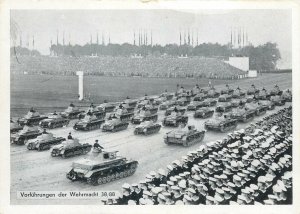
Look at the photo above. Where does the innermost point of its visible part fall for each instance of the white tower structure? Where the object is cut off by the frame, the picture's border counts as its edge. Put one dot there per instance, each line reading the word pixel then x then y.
pixel 80 84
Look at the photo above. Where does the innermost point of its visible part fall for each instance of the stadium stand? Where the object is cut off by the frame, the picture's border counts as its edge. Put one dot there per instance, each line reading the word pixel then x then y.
pixel 247 167
pixel 126 66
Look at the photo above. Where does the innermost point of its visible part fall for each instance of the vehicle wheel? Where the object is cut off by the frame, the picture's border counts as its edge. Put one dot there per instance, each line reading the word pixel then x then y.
pixel 99 180
pixel 40 148
pixel 30 147
pixel 117 175
pixel 104 180
pixel 121 174
pixel 113 177
pixel 108 178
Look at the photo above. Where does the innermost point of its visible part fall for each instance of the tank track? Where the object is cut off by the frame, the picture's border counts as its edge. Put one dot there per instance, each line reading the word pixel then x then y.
pixel 58 125
pixel 46 145
pixel 193 139
pixel 150 130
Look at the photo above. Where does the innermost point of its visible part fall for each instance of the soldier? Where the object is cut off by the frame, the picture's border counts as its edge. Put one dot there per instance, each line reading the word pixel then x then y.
pixel 70 136
pixel 72 105
pixel 32 110
pixel 137 193
pixel 89 113
pixel 97 146
pixel 45 132
pixel 54 113
pixel 126 195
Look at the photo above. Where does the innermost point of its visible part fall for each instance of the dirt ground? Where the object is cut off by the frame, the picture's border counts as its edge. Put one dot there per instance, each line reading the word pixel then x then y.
pixel 33 170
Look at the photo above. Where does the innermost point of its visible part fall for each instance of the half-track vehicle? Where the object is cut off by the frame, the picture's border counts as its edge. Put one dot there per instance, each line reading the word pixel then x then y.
pixel 14 127
pixel 267 103
pixel 72 112
pixel 114 125
pixel 25 134
pixel 32 118
pixel 179 109
pixel 54 121
pixel 144 115
pixel 184 136
pixel 227 90
pixel 69 148
pixel 224 98
pixel 278 100
pixel 242 114
pixel 43 142
pixel 222 124
pixel 88 123
pixel 238 93
pixel 204 112
pixel 224 107
pixel 258 108
pixel 104 168
pixel 147 128
pixel 252 90
pixel 175 119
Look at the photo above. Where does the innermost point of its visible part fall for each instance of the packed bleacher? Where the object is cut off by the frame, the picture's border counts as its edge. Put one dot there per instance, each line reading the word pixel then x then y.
pixel 126 66
pixel 251 166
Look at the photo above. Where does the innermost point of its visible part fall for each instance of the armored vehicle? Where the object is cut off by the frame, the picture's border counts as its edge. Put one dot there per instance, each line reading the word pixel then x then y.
pixel 278 100
pixel 114 125
pixel 14 127
pixel 212 93
pixel 184 136
pixel 146 128
pixel 144 115
pixel 167 95
pixel 222 124
pixel 25 134
pixel 104 168
pixel 71 112
pixel 224 98
pixel 122 114
pixel 287 95
pixel 194 105
pixel 276 91
pixel 262 95
pixel 238 93
pixel 108 107
pixel 175 109
pixel 130 102
pixel 54 121
pixel 32 118
pixel 43 142
pixel 227 90
pixel 238 102
pixel 267 103
pixel 167 104
pixel 242 114
pixel 252 90
pixel 204 112
pixel 258 108
pixel 152 109
pixel 129 109
pixel 70 147
pixel 183 101
pixel 175 119
pixel 224 107
pixel 143 103
pixel 96 111
pixel 200 97
pixel 209 102
pixel 88 123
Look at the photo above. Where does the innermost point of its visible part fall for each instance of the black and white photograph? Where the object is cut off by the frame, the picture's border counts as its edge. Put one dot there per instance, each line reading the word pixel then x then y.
pixel 151 107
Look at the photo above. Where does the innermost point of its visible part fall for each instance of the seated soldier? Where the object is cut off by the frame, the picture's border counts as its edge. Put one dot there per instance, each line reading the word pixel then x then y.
pixel 97 145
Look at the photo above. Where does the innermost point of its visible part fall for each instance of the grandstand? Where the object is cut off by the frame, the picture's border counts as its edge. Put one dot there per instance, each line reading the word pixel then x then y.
pixel 125 66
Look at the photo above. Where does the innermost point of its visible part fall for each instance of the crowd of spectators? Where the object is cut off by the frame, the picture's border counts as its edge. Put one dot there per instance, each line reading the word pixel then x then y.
pixel 251 166
pixel 194 67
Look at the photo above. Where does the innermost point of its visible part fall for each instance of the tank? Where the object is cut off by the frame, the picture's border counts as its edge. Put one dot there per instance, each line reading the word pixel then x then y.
pixel 224 107
pixel 114 125
pixel 238 93
pixel 104 168
pixel 143 103
pixel 122 114
pixel 227 90
pixel 130 102
pixel 144 116
pixel 258 108
pixel 252 90
pixel 167 95
pixel 200 97
pixel 32 118
pixel 147 128
pixel 175 119
pixel 208 102
pixel 242 114
pixel 194 105
pixel 224 98
pixel 14 127
pixel 183 101
pixel 221 124
pixel 152 109
pixel 167 104
pixel 108 107
pixel 54 121
pixel 238 102
pixel 184 136
pixel 180 109
pixel 267 103
pixel 25 134
pixel 212 93
pixel 43 142
pixel 96 111
pixel 204 112
pixel 88 123
pixel 287 95
pixel 275 91
pixel 262 95
pixel 69 148
pixel 72 112
pixel 278 100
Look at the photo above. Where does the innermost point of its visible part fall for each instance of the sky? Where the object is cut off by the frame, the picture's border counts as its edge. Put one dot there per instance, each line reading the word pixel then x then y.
pixel 212 26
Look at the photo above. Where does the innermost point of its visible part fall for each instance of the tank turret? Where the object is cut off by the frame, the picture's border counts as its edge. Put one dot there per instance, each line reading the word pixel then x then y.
pixel 144 115
pixel 146 128
pixel 114 125
pixel 88 123
pixel 106 167
pixel 71 112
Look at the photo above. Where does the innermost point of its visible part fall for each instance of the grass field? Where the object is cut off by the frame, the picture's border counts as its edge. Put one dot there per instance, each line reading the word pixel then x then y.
pixel 46 92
